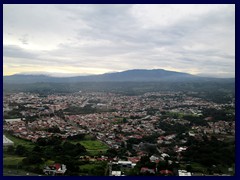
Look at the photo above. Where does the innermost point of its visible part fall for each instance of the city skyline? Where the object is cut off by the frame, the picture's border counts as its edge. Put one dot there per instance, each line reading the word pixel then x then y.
pixel 96 39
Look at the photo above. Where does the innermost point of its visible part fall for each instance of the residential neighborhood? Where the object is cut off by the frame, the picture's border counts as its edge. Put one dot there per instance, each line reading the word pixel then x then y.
pixel 157 124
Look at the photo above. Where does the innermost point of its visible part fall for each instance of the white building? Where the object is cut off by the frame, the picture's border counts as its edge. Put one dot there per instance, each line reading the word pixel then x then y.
pixel 116 173
pixel 125 164
pixel 184 173
pixel 14 120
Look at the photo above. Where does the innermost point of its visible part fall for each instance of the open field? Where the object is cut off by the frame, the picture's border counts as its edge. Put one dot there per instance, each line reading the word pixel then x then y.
pixel 93 147
pixel 94 168
pixel 10 160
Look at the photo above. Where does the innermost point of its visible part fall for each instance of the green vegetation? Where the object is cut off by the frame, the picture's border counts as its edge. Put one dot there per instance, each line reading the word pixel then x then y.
pixel 211 153
pixel 194 167
pixel 32 157
pixel 94 147
pixel 173 128
pixel 18 141
pixel 213 90
pixel 94 168
pixel 11 161
pixel 225 114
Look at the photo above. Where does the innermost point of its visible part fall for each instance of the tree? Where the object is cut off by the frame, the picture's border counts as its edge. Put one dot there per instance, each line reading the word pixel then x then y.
pixel 10 149
pixel 54 129
pixel 143 161
pixel 71 163
pixel 32 159
pixel 20 150
pixel 111 153
pixel 189 168
pixel 80 149
pixel 37 149
pixel 42 141
pixel 99 170
pixel 162 165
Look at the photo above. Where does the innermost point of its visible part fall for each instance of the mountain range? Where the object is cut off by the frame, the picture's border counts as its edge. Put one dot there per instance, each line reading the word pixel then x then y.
pixel 136 75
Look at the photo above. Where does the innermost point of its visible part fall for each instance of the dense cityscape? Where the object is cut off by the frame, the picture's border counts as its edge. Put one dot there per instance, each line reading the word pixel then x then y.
pixel 156 133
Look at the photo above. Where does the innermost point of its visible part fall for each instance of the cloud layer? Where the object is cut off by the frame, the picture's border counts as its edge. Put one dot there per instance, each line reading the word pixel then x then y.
pixel 93 39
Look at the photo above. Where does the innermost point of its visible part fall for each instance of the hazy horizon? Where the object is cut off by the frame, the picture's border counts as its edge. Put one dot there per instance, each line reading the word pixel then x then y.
pixel 62 75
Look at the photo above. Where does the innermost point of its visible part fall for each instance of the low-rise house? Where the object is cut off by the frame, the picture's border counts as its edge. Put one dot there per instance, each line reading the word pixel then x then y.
pixel 166 172
pixel 153 158
pixel 116 173
pixel 146 169
pixel 55 169
pixel 134 159
pixel 184 173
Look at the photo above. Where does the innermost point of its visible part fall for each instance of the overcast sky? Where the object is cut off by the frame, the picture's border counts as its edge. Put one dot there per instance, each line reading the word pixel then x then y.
pixel 94 39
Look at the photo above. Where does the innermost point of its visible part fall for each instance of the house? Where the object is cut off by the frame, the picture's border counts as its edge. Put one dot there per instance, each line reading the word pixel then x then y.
pixel 153 158
pixel 166 172
pixel 125 164
pixel 184 173
pixel 116 173
pixel 180 149
pixel 164 155
pixel 146 169
pixel 134 159
pixel 55 169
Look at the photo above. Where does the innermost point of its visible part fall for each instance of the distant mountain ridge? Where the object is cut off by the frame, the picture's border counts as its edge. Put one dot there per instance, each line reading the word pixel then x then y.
pixel 136 75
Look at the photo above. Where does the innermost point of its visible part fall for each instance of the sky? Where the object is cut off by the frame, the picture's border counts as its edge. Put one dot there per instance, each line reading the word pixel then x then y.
pixel 80 39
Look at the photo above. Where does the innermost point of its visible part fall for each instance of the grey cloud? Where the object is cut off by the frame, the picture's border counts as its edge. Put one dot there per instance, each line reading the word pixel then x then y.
pixel 17 52
pixel 110 37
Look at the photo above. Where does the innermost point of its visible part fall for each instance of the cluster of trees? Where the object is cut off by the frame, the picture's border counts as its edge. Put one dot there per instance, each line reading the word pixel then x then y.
pixel 88 109
pixel 77 137
pixel 195 120
pixel 18 150
pixel 15 113
pixel 223 96
pixel 210 152
pixel 80 110
pixel 173 128
pixel 54 129
pixel 52 148
pixel 223 114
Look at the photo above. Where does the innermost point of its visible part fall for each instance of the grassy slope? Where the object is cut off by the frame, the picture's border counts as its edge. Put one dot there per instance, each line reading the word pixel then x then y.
pixel 93 147
pixel 11 160
pixel 18 141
